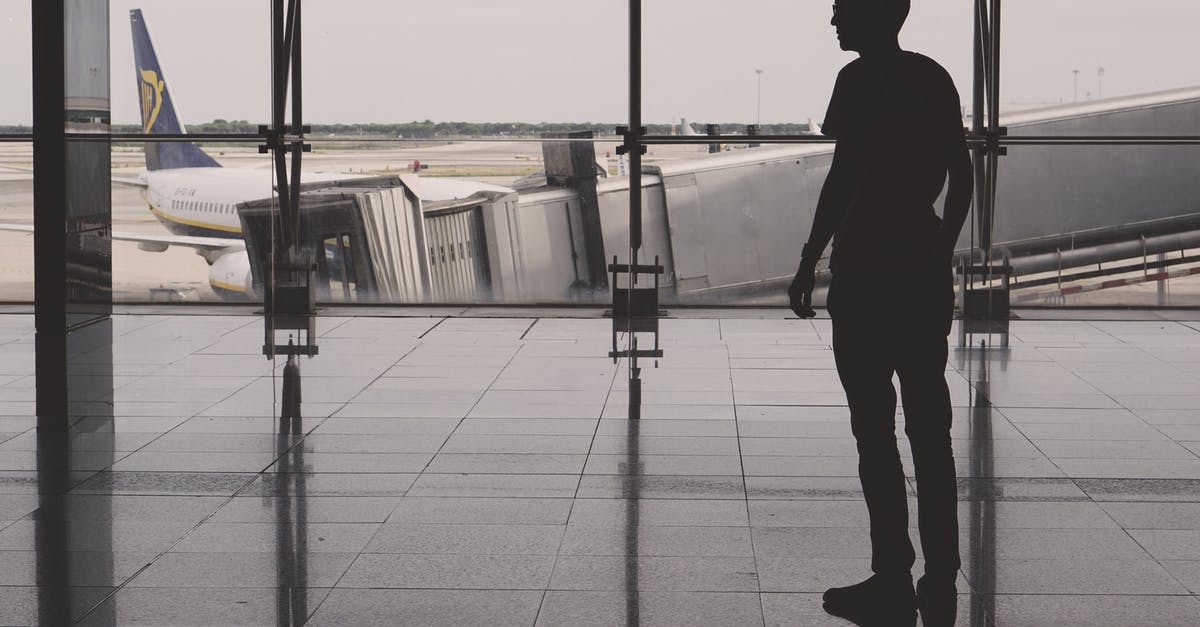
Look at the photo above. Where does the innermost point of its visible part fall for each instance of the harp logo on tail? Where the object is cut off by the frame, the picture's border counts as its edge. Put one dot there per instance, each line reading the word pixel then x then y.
pixel 152 101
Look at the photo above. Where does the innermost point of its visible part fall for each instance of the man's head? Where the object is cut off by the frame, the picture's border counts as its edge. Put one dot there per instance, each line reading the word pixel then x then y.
pixel 867 23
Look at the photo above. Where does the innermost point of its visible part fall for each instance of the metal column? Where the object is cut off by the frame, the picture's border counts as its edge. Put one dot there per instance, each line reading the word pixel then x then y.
pixel 983 305
pixel 289 301
pixel 72 212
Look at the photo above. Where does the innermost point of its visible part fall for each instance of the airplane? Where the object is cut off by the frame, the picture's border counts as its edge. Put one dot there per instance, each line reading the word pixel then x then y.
pixel 194 197
pixel 187 190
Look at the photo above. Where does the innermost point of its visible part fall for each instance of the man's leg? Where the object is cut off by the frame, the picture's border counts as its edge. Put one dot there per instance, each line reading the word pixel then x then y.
pixel 928 417
pixel 865 370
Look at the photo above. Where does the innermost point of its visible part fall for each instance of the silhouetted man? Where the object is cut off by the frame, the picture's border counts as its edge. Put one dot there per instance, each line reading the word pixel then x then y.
pixel 898 124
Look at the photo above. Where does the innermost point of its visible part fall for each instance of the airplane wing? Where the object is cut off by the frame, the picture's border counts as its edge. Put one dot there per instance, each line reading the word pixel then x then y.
pixel 131 181
pixel 208 247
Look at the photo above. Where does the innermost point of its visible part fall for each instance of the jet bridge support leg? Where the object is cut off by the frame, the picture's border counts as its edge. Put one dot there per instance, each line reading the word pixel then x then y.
pixel 570 160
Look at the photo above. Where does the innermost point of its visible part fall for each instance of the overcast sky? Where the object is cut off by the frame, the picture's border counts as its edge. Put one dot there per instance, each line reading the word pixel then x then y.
pixel 565 60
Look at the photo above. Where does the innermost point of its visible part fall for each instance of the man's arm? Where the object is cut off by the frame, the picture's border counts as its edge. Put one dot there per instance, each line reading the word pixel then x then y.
pixel 832 204
pixel 958 196
pixel 831 207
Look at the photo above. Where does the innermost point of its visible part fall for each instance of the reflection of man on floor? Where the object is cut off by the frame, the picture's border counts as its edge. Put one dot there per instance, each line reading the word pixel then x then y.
pixel 898 124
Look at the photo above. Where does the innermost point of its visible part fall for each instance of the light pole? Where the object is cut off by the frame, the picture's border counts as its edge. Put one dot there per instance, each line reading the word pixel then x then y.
pixel 1100 82
pixel 758 118
pixel 1076 96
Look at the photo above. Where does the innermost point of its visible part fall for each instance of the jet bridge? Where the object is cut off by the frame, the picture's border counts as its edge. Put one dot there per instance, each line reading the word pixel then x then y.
pixel 728 227
pixel 394 239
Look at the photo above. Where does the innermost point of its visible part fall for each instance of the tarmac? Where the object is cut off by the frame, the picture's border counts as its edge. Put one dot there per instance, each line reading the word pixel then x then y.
pixel 136 272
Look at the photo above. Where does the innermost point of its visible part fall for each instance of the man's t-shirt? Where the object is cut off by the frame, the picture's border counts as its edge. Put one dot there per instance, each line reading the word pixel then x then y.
pixel 903 117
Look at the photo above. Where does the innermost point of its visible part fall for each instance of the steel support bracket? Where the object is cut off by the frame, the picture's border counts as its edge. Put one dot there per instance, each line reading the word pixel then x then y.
pixel 635 309
pixel 628 140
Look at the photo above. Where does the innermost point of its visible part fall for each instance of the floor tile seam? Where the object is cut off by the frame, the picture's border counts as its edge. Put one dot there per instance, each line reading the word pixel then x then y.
pixel 158 320
pixel 336 584
pixel 541 603
pixel 250 321
pixel 344 322
pixel 17 435
pixel 457 425
pixel 742 467
pixel 320 602
pixel 430 329
pixel 1120 342
pixel 1170 573
pixel 528 329
pixel 514 554
pixel 547 588
pixel 343 405
pixel 579 481
pixel 1157 428
pixel 992 408
pixel 118 588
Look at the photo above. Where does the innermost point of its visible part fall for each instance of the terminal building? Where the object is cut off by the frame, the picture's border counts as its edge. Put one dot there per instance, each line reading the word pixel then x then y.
pixel 570 394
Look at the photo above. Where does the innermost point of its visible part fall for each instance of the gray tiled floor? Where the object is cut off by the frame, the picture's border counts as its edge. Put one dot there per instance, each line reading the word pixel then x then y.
pixel 482 470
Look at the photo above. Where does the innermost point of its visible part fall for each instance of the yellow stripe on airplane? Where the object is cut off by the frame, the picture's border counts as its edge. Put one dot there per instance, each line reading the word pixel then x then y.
pixel 227 286
pixel 205 225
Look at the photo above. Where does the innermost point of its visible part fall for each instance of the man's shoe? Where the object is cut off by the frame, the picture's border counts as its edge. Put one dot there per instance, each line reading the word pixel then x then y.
pixel 937 600
pixel 877 602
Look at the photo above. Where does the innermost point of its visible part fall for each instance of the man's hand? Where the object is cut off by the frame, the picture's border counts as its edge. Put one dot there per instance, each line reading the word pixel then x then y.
pixel 801 289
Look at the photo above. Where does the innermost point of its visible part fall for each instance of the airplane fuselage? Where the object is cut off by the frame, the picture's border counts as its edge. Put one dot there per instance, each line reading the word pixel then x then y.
pixel 203 201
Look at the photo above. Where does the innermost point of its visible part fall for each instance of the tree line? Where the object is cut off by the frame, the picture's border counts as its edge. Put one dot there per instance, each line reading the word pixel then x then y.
pixel 429 129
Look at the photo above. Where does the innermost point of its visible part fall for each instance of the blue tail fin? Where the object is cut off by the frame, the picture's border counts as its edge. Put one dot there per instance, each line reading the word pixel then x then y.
pixel 158 111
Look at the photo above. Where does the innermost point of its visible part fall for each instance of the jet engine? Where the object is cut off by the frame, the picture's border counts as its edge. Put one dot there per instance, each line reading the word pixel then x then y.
pixel 230 278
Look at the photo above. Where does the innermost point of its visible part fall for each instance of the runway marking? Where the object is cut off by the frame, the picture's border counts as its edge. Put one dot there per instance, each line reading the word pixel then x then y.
pixel 1111 283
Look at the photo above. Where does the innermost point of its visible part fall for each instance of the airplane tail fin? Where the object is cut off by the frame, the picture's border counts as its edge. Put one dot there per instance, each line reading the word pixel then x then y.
pixel 158 110
pixel 685 128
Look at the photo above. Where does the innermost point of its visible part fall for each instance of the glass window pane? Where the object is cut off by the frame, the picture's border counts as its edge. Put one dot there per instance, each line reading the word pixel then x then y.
pixel 492 226
pixel 702 60
pixel 16 73
pixel 16 159
pixel 464 60
pixel 1064 58
pixel 1096 225
pixel 151 208
pixel 16 208
pixel 213 65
